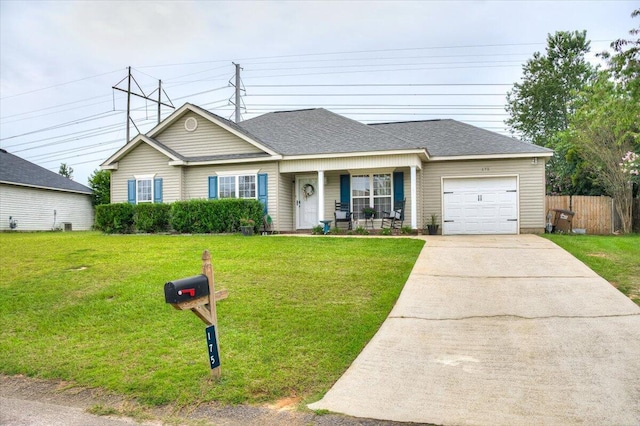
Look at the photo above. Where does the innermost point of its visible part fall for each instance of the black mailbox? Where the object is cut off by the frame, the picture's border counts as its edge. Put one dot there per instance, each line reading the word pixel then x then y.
pixel 186 289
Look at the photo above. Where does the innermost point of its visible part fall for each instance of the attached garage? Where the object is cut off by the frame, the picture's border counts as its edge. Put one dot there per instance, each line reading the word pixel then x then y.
pixel 486 205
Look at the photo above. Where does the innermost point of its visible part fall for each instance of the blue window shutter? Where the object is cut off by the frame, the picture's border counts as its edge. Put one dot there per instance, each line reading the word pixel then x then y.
pixel 131 191
pixel 213 187
pixel 262 190
pixel 157 190
pixel 345 189
pixel 398 186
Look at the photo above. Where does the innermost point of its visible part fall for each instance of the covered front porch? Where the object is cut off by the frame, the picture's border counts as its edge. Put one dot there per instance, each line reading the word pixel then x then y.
pixel 314 193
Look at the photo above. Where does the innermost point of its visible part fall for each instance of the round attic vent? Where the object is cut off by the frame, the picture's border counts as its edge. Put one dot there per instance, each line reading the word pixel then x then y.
pixel 190 124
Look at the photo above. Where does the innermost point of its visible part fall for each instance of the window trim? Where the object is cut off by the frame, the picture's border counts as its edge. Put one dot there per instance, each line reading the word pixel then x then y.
pixel 140 178
pixel 372 196
pixel 236 176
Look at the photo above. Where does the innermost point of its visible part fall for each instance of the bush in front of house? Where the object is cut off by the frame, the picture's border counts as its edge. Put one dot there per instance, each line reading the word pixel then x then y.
pixel 151 218
pixel 214 216
pixel 115 218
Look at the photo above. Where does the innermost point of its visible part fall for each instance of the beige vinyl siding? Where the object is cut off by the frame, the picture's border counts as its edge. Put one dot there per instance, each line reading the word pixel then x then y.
pixel 207 139
pixel 350 163
pixel 34 208
pixel 286 199
pixel 196 181
pixel 531 185
pixel 145 160
pixel 332 194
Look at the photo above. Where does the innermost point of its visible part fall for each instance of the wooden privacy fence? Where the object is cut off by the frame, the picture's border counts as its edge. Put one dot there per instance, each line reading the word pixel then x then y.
pixel 595 214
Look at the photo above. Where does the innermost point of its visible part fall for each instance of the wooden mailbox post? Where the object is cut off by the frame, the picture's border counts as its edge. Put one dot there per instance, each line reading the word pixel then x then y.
pixel 199 295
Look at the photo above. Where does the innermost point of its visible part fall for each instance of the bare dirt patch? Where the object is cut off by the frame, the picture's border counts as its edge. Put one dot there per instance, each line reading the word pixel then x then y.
pixel 286 412
pixel 603 255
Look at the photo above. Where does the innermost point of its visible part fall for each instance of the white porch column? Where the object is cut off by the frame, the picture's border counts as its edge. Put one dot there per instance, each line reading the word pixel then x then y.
pixel 414 199
pixel 320 195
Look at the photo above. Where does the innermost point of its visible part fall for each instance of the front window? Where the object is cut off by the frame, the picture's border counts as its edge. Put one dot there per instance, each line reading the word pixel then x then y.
pixel 242 186
pixel 227 186
pixel 247 186
pixel 144 190
pixel 362 196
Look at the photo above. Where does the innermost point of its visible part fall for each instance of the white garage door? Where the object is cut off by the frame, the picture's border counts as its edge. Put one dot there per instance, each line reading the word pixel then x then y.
pixel 480 206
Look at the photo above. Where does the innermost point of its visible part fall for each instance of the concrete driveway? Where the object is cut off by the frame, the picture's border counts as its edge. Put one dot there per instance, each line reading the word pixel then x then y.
pixel 499 330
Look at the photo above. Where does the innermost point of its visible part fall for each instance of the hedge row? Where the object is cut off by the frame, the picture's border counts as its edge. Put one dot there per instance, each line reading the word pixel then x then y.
pixel 193 216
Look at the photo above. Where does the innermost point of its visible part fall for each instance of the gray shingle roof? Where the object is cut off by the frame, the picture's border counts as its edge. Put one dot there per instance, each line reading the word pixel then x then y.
pixel 318 131
pixel 444 138
pixel 14 169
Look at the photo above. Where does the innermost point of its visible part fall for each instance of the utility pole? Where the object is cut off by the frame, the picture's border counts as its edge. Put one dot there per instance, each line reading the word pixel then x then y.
pixel 130 78
pixel 159 98
pixel 237 92
pixel 128 102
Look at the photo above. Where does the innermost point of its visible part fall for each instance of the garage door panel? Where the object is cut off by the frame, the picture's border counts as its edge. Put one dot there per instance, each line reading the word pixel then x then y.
pixel 480 205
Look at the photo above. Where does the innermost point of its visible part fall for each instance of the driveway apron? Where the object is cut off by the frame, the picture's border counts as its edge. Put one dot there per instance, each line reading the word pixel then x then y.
pixel 499 330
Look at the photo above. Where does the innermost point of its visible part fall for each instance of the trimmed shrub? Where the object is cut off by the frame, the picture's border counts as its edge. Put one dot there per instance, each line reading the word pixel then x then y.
pixel 214 216
pixel 152 218
pixel 114 218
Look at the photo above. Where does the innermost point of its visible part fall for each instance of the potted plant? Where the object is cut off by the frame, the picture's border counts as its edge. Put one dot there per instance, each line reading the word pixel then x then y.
pixel 432 227
pixel 369 212
pixel 246 226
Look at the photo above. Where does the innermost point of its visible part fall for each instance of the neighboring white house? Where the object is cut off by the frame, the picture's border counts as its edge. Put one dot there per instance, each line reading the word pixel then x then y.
pixel 299 163
pixel 40 200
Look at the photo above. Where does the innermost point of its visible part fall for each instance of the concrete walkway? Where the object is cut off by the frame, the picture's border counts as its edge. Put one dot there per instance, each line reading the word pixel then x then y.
pixel 499 330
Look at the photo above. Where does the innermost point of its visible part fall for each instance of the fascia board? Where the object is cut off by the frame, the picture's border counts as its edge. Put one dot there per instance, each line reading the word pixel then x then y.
pixel 356 154
pixel 230 161
pixel 133 144
pixel 492 156
pixel 197 110
pixel 26 185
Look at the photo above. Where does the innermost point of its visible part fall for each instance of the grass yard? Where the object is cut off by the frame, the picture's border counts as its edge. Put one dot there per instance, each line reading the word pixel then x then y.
pixel 615 258
pixel 89 308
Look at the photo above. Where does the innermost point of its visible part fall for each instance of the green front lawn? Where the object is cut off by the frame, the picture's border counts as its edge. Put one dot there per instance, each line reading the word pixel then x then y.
pixel 615 258
pixel 89 308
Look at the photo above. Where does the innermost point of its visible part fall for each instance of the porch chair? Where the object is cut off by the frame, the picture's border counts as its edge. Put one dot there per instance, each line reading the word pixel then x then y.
pixel 342 214
pixel 394 218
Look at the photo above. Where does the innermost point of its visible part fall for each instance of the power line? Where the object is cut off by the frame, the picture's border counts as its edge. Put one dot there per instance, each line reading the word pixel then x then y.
pixel 57 126
pixel 369 94
pixel 389 70
pixel 382 65
pixel 382 85
pixel 58 85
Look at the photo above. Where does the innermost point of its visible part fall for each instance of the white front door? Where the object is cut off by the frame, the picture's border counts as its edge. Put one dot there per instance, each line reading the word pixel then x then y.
pixel 306 202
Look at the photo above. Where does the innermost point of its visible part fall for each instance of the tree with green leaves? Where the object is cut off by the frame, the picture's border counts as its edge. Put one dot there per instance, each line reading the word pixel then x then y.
pixel 65 171
pixel 100 183
pixel 606 125
pixel 542 104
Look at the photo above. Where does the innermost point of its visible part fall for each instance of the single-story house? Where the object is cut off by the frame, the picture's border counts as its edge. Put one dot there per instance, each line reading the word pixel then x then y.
pixel 299 163
pixel 37 199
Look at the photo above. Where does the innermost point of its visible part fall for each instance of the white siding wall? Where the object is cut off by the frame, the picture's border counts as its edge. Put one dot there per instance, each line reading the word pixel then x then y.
pixel 531 192
pixel 144 160
pixel 207 139
pixel 34 208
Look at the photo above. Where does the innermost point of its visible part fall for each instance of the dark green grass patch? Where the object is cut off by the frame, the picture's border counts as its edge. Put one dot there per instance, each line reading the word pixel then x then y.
pixel 89 308
pixel 615 258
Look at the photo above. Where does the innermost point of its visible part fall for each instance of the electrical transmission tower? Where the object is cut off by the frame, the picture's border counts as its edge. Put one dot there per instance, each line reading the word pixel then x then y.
pixel 238 103
pixel 142 95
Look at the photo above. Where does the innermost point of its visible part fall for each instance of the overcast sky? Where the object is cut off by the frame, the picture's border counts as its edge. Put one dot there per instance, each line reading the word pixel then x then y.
pixel 60 59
